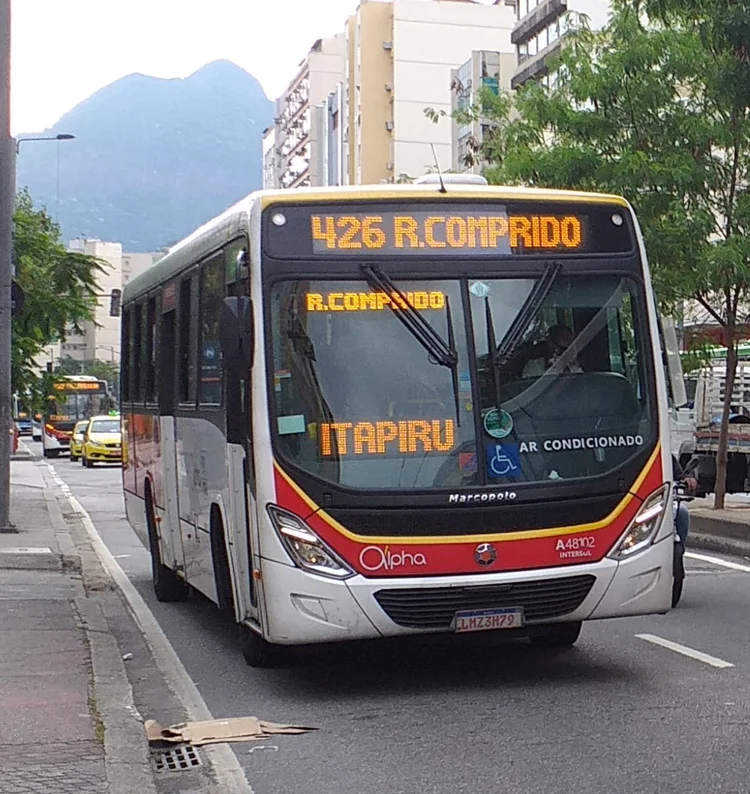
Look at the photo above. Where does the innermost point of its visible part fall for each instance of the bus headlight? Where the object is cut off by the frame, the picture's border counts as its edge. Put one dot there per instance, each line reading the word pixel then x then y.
pixel 643 527
pixel 305 548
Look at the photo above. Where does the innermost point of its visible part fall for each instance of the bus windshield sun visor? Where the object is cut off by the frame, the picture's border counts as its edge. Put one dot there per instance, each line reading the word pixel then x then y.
pixel 440 351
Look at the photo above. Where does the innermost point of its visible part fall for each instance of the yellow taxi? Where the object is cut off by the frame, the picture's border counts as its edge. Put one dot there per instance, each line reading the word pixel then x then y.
pixel 76 439
pixel 102 441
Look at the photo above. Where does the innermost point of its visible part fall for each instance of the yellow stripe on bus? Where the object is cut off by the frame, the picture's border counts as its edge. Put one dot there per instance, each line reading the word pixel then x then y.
pixel 505 536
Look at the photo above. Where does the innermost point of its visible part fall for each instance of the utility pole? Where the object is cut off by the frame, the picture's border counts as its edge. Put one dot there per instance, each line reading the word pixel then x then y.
pixel 7 201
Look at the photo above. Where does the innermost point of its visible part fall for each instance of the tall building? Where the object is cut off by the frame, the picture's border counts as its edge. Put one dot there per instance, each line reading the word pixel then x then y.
pixel 100 338
pixel 368 125
pixel 293 140
pixel 401 56
pixel 485 71
pixel 540 28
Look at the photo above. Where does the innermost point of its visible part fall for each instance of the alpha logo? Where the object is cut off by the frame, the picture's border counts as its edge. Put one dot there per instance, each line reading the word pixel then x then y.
pixel 373 558
pixel 485 554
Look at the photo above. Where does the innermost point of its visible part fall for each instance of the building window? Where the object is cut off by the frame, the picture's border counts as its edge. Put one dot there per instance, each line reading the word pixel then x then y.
pixel 212 295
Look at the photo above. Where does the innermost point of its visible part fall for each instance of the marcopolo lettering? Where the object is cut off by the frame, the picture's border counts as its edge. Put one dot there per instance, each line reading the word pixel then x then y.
pixel 481 496
pixel 596 442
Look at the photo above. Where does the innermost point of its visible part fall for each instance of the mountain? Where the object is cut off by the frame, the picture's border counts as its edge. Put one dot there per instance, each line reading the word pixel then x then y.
pixel 152 158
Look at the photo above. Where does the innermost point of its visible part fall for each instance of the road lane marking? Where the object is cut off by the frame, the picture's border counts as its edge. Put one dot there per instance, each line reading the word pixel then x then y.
pixel 224 761
pixel 685 651
pixel 735 566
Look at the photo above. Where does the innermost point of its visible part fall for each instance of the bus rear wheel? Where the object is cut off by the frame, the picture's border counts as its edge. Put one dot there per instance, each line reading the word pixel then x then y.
pixel 257 651
pixel 561 635
pixel 168 587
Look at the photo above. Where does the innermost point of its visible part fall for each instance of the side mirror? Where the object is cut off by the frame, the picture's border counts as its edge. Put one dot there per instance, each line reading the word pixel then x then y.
pixel 236 333
pixel 673 363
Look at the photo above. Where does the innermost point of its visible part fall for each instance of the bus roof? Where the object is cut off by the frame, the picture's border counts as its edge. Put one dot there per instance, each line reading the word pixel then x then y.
pixel 235 219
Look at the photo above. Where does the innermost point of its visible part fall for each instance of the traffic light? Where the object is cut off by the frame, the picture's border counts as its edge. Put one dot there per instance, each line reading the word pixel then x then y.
pixel 115 300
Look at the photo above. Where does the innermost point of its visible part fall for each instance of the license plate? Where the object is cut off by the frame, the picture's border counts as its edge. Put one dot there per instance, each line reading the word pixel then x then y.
pixel 488 620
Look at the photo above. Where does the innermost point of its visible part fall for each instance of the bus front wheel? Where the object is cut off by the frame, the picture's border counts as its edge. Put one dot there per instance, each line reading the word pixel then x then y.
pixel 561 635
pixel 257 652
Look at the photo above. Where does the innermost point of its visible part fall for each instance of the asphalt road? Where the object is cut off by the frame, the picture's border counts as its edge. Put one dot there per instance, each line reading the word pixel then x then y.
pixel 619 713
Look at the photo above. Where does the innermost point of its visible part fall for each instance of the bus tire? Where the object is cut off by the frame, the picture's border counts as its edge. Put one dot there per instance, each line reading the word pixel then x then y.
pixel 257 651
pixel 51 453
pixel 168 587
pixel 678 573
pixel 222 572
pixel 561 635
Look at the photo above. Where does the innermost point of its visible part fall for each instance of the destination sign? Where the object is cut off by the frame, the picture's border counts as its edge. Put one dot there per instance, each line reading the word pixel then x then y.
pixel 414 231
pixel 441 230
pixel 74 386
pixel 372 301
pixel 416 436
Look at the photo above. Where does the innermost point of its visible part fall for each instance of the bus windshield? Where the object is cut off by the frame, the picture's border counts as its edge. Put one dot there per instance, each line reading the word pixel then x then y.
pixel 72 401
pixel 551 380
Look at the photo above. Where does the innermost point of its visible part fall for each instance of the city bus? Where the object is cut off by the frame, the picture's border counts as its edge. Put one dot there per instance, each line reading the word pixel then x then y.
pixel 353 413
pixel 74 397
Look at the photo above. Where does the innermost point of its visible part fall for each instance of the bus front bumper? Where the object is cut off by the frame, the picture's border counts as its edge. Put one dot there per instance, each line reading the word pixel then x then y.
pixel 302 608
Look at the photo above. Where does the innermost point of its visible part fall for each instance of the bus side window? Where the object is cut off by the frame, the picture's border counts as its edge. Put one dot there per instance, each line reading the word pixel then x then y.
pixel 136 362
pixel 151 351
pixel 125 381
pixel 212 295
pixel 187 340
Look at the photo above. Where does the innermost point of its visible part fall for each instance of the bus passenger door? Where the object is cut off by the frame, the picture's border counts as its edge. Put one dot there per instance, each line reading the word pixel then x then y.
pixel 173 553
pixel 241 481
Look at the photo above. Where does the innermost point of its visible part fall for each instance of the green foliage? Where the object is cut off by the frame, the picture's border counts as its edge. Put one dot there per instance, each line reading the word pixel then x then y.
pixel 60 288
pixel 103 370
pixel 655 107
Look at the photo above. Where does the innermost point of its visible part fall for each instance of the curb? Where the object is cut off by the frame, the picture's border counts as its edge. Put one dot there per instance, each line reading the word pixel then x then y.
pixel 717 543
pixel 126 752
pixel 126 747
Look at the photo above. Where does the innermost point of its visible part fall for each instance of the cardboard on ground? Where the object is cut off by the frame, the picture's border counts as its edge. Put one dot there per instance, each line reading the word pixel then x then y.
pixel 233 729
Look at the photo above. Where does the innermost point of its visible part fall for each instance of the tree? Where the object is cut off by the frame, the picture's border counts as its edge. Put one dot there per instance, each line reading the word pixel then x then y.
pixel 60 292
pixel 655 107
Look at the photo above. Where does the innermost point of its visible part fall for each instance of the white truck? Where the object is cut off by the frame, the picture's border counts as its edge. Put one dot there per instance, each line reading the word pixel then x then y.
pixel 695 427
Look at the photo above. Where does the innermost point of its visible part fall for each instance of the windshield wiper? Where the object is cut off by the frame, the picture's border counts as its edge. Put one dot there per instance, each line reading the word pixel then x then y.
pixel 498 355
pixel 442 352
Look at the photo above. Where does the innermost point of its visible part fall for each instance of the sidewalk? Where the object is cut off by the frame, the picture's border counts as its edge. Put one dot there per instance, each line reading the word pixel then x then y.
pixel 64 692
pixel 726 531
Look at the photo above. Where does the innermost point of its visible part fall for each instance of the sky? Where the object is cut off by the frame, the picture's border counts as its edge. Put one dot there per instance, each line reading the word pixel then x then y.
pixel 65 50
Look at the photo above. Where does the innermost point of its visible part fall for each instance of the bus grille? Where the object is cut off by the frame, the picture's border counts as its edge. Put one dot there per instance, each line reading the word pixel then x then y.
pixel 434 607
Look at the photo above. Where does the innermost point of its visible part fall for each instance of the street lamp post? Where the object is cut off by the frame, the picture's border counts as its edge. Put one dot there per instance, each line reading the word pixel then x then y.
pixel 63 136
pixel 7 197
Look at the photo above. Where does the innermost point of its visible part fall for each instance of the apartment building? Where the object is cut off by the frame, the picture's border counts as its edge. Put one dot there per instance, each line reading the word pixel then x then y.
pixel 487 70
pixel 540 28
pixel 290 146
pixel 365 122
pixel 401 58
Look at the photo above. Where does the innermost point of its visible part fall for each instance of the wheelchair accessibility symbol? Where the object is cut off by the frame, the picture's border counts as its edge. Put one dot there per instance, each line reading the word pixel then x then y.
pixel 503 460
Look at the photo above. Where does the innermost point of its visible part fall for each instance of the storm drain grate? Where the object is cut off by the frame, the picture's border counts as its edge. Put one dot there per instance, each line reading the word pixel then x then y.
pixel 175 759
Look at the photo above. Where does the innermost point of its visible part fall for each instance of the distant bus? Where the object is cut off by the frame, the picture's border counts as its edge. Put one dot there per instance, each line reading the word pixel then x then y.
pixel 365 412
pixel 73 397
